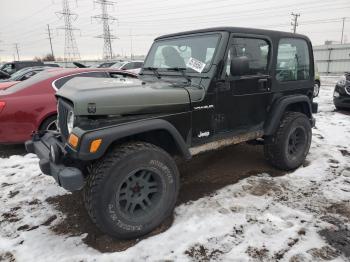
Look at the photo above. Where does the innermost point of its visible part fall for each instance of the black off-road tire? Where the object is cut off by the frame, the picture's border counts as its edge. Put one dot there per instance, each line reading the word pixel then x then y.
pixel 119 178
pixel 278 148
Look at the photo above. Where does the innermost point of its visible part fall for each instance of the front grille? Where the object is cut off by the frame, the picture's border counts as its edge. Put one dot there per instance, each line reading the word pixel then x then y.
pixel 63 109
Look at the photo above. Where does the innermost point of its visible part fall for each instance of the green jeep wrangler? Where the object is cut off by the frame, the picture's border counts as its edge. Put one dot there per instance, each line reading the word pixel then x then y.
pixel 198 90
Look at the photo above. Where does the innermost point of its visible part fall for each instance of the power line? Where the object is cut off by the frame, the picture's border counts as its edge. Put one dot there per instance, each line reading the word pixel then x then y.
pixel 71 51
pixel 105 18
pixel 295 22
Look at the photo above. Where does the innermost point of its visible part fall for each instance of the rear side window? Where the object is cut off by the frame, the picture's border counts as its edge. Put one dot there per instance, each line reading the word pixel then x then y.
pixel 128 66
pixel 293 60
pixel 60 82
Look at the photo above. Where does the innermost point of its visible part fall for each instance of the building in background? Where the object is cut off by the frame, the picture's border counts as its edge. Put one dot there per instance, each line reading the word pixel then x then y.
pixel 332 59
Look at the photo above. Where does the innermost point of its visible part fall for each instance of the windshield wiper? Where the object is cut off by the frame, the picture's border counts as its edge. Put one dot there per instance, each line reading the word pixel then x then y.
pixel 154 70
pixel 182 71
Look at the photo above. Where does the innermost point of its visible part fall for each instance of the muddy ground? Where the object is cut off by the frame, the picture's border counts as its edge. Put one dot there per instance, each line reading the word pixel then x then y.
pixel 201 176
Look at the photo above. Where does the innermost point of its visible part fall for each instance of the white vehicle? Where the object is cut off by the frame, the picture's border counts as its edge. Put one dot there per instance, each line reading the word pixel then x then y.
pixel 131 66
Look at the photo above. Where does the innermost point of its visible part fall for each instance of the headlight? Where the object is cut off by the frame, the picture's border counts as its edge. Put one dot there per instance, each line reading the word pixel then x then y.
pixel 342 81
pixel 336 94
pixel 70 121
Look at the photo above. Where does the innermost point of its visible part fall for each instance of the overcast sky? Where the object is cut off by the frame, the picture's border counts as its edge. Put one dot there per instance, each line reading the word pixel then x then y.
pixel 25 22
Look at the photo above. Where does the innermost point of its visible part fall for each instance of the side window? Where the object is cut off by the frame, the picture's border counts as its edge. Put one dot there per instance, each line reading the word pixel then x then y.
pixel 256 50
pixel 93 74
pixel 138 64
pixel 28 75
pixel 293 60
pixel 129 66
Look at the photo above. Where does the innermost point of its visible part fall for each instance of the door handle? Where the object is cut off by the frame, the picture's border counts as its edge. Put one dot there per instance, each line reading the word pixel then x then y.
pixel 263 84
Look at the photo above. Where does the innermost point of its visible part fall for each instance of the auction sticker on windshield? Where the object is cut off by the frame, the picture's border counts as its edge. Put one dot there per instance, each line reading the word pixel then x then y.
pixel 195 65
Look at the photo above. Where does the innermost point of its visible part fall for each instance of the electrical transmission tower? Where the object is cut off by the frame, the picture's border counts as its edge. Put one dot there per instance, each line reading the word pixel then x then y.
pixel 71 51
pixel 17 50
pixel 106 35
pixel 294 22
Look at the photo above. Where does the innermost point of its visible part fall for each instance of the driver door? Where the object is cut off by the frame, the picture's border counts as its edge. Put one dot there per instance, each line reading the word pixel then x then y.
pixel 244 94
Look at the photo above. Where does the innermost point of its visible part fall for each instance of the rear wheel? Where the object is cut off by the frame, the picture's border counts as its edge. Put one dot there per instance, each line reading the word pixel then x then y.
pixel 49 124
pixel 131 190
pixel 288 147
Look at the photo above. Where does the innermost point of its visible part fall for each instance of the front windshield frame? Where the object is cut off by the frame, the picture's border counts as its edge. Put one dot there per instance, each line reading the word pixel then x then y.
pixel 188 69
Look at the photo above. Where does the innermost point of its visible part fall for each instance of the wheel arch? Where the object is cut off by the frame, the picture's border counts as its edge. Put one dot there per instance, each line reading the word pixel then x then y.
pixel 297 103
pixel 43 118
pixel 156 131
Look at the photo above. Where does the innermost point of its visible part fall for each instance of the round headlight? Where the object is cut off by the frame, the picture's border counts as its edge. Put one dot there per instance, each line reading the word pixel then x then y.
pixel 70 121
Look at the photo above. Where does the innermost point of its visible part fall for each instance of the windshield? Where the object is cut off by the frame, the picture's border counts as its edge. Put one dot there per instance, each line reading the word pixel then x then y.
pixel 118 64
pixel 29 82
pixel 19 73
pixel 195 53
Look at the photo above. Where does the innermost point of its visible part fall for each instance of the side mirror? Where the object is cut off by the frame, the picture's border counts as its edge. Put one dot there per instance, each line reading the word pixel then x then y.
pixel 239 66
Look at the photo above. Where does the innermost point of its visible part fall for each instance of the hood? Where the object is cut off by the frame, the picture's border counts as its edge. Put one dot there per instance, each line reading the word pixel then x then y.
pixel 106 96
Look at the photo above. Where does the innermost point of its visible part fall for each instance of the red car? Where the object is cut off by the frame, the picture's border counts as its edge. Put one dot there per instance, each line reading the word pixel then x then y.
pixel 6 85
pixel 31 104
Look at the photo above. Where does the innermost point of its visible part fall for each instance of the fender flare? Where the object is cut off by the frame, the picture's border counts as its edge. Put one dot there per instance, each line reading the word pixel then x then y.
pixel 113 133
pixel 279 108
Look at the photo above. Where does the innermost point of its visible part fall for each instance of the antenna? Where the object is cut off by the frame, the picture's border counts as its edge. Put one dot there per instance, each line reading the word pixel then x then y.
pixel 71 51
pixel 106 35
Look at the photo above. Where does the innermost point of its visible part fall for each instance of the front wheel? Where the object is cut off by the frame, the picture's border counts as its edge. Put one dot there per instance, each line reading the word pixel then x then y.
pixel 49 124
pixel 132 190
pixel 288 147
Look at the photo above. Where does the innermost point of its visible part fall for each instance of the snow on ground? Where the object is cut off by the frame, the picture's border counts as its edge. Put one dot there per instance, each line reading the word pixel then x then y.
pixel 301 216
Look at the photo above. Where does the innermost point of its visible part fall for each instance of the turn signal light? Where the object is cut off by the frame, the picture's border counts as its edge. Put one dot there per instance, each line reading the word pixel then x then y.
pixel 95 145
pixel 2 105
pixel 73 140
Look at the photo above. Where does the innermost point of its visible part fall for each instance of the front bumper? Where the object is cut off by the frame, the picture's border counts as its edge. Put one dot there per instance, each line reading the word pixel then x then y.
pixel 69 177
pixel 343 100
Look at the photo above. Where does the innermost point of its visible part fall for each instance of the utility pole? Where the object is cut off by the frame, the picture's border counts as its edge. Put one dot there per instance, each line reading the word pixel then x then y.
pixel 131 55
pixel 1 50
pixel 342 31
pixel 50 38
pixel 106 34
pixel 16 47
pixel 295 22
pixel 71 51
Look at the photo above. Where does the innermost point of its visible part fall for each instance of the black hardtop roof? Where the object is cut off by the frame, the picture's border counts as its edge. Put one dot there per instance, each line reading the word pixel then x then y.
pixel 240 30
